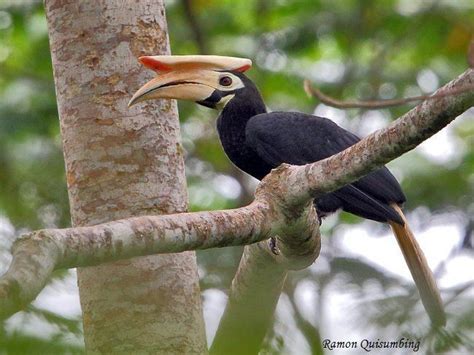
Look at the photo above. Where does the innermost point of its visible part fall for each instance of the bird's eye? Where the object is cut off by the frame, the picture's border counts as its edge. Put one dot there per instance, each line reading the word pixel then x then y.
pixel 225 81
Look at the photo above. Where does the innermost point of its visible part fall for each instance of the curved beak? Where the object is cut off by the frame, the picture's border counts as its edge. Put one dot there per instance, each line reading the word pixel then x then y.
pixel 191 84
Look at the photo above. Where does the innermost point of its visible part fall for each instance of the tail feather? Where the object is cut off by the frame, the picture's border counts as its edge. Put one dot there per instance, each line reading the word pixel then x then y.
pixel 419 269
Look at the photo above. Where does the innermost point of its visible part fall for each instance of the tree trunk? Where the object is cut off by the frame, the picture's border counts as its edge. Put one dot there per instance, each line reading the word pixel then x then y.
pixel 123 162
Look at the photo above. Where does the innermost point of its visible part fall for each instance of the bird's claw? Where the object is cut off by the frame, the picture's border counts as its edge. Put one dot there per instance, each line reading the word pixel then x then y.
pixel 272 243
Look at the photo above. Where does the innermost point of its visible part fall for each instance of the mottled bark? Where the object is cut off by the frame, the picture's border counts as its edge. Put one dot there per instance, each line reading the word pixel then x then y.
pixel 122 163
pixel 117 240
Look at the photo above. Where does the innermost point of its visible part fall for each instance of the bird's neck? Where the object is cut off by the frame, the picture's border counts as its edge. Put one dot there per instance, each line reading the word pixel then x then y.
pixel 231 125
pixel 233 119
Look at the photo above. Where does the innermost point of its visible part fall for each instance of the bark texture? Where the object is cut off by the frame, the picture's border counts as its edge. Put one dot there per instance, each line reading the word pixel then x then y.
pixel 122 163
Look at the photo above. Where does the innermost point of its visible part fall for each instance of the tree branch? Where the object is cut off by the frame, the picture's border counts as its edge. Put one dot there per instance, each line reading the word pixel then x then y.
pixel 470 53
pixel 282 207
pixel 375 104
pixel 37 254
pixel 253 297
pixel 257 284
pixel 194 26
pixel 382 146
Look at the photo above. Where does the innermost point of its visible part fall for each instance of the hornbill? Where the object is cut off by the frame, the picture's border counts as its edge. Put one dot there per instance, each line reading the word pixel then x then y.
pixel 257 141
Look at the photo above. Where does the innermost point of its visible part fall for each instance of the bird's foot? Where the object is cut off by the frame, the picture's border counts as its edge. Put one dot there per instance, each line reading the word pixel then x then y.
pixel 320 215
pixel 272 243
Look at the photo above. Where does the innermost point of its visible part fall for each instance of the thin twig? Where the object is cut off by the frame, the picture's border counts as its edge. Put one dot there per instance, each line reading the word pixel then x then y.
pixel 470 53
pixel 376 104
pixel 195 26
pixel 458 292
pixel 310 332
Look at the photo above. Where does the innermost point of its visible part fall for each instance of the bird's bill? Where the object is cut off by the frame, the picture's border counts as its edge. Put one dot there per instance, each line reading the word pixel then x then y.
pixel 185 77
pixel 191 84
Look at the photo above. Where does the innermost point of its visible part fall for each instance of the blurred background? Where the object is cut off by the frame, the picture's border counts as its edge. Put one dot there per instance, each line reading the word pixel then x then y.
pixel 360 286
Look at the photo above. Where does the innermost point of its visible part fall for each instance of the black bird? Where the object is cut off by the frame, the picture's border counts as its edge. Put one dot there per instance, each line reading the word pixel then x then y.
pixel 257 141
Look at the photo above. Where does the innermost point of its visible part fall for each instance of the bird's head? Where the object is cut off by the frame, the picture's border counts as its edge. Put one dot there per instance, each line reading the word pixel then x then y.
pixel 211 81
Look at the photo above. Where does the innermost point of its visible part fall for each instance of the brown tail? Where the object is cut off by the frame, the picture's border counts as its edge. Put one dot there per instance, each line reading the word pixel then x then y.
pixel 419 269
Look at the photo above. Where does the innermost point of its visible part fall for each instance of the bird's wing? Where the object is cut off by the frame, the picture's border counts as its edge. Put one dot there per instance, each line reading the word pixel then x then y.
pixel 365 204
pixel 298 138
pixel 295 138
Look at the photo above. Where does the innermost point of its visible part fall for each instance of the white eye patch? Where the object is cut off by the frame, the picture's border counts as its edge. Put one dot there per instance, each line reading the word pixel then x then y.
pixel 229 82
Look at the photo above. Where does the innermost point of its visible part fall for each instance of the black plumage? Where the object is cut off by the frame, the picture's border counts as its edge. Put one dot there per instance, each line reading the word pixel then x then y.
pixel 257 141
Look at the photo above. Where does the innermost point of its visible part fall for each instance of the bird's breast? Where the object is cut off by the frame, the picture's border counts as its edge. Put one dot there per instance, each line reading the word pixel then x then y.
pixel 245 158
